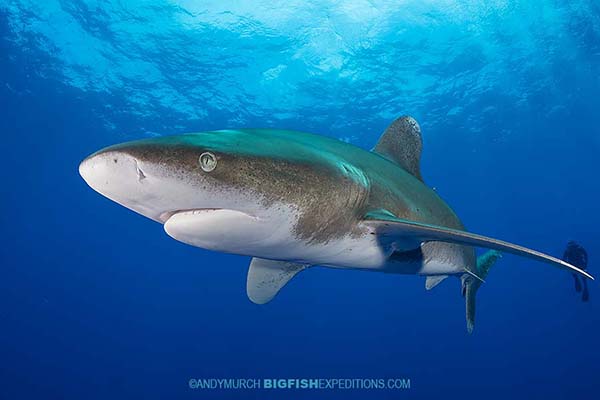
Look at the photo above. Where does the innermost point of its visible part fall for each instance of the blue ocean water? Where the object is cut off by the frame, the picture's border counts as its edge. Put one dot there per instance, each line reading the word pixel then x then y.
pixel 97 302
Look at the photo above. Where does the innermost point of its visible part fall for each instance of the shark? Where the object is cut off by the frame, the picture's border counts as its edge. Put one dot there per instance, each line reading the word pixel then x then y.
pixel 293 201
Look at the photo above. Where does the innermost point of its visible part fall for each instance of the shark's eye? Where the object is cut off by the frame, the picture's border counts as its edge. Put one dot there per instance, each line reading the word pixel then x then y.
pixel 207 161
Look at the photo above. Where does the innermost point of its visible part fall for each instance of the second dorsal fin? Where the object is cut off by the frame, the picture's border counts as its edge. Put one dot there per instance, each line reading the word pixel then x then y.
pixel 401 142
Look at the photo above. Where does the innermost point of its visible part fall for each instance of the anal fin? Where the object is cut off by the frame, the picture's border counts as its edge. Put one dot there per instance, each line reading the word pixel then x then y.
pixel 434 280
pixel 267 277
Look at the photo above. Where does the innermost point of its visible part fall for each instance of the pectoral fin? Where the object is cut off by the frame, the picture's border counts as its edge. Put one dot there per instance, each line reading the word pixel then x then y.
pixel 267 277
pixel 388 226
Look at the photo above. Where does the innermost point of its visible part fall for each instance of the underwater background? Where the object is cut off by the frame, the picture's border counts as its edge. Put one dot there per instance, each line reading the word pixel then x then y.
pixel 97 302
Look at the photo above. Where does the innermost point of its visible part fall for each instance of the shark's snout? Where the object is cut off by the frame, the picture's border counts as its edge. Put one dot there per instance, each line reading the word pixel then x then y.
pixel 148 180
pixel 114 174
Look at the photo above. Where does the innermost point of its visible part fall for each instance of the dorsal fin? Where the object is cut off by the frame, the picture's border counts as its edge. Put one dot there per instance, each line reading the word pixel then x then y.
pixel 401 142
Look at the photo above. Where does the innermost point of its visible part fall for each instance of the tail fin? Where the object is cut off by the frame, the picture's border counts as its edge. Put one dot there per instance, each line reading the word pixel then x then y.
pixel 471 281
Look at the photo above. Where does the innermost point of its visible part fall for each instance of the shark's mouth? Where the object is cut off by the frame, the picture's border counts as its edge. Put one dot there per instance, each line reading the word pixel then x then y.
pixel 219 229
pixel 164 217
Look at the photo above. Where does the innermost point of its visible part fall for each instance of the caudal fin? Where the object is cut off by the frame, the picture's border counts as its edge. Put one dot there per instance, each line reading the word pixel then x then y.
pixel 472 280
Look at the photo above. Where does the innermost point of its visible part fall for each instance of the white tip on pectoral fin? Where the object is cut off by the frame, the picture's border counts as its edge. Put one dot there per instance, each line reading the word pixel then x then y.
pixel 386 224
pixel 434 280
pixel 267 277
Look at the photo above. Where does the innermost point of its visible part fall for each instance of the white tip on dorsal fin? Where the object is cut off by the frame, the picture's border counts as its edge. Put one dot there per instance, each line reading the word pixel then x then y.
pixel 402 143
pixel 434 280
pixel 267 277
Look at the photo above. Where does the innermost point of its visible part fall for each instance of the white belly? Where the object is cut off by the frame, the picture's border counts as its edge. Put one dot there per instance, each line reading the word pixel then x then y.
pixel 271 236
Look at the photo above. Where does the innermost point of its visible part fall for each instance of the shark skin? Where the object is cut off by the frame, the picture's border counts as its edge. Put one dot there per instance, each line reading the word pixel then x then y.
pixel 307 193
pixel 292 200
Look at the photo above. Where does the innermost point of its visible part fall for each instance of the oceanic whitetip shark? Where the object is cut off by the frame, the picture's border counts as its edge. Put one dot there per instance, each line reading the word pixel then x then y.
pixel 294 200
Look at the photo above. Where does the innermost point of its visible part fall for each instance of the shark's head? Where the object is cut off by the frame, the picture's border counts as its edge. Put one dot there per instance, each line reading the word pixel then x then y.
pixel 159 177
pixel 257 173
